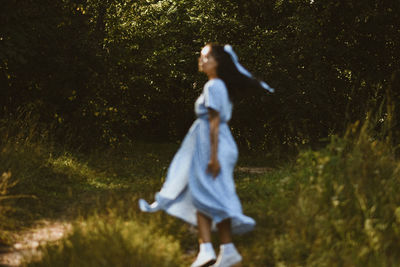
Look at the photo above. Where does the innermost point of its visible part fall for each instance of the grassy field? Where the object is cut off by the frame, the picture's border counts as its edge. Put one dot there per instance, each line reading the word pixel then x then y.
pixel 338 206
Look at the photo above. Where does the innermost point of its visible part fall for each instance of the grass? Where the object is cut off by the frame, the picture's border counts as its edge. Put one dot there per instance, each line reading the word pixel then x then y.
pixel 5 237
pixel 113 241
pixel 336 206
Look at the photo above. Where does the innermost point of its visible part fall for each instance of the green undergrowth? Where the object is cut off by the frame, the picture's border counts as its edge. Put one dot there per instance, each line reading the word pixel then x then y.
pixel 114 241
pixel 336 206
pixel 345 209
pixel 5 185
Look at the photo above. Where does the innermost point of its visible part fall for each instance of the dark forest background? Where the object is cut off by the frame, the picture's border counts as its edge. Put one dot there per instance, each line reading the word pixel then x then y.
pixel 102 72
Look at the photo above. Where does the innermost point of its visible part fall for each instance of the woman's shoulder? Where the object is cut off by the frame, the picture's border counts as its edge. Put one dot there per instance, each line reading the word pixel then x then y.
pixel 215 83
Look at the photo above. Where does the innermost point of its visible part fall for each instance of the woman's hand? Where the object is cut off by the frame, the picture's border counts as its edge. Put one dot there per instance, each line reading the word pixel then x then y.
pixel 214 168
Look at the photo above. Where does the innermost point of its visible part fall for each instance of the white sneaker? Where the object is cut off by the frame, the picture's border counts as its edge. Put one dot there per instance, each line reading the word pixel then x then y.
pixel 228 258
pixel 204 259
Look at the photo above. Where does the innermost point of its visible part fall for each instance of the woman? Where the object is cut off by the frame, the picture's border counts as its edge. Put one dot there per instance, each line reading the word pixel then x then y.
pixel 199 187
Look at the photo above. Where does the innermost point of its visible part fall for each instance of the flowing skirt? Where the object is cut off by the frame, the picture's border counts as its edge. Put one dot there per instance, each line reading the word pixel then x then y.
pixel 189 188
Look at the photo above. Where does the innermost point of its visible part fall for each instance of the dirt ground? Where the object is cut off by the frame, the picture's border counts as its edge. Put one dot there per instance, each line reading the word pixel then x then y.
pixel 28 241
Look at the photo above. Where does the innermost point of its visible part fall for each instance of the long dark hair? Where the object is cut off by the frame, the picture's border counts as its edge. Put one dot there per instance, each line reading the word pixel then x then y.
pixel 238 85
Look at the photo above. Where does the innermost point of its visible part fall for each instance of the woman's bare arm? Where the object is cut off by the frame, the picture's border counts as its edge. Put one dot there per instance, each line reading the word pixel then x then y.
pixel 213 164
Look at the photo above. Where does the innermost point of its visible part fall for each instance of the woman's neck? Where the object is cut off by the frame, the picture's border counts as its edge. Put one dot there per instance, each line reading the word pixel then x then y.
pixel 212 76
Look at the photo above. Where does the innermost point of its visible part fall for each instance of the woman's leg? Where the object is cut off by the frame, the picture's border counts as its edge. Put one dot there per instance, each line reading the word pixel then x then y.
pixel 206 256
pixel 224 231
pixel 204 225
pixel 228 255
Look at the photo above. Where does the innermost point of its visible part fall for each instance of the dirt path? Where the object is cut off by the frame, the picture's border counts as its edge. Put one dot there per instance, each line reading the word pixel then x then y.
pixel 28 242
pixel 255 170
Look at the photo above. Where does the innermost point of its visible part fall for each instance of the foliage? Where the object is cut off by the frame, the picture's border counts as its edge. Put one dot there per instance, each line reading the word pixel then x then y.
pixel 105 72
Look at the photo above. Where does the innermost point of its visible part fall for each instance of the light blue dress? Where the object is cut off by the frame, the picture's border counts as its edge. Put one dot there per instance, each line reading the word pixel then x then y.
pixel 188 186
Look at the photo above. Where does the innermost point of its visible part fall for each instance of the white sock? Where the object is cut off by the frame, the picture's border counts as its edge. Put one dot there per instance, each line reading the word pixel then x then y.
pixel 206 248
pixel 228 248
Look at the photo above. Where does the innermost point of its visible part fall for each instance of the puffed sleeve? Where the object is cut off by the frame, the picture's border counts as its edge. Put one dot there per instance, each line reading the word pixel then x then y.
pixel 215 94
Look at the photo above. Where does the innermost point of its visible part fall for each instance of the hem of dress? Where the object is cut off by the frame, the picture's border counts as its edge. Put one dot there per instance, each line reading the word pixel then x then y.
pixel 238 224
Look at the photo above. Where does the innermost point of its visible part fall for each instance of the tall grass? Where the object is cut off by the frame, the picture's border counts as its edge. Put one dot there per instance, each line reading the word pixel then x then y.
pixel 26 151
pixel 113 241
pixel 336 206
pixel 83 188
pixel 21 154
pixel 5 184
pixel 346 205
